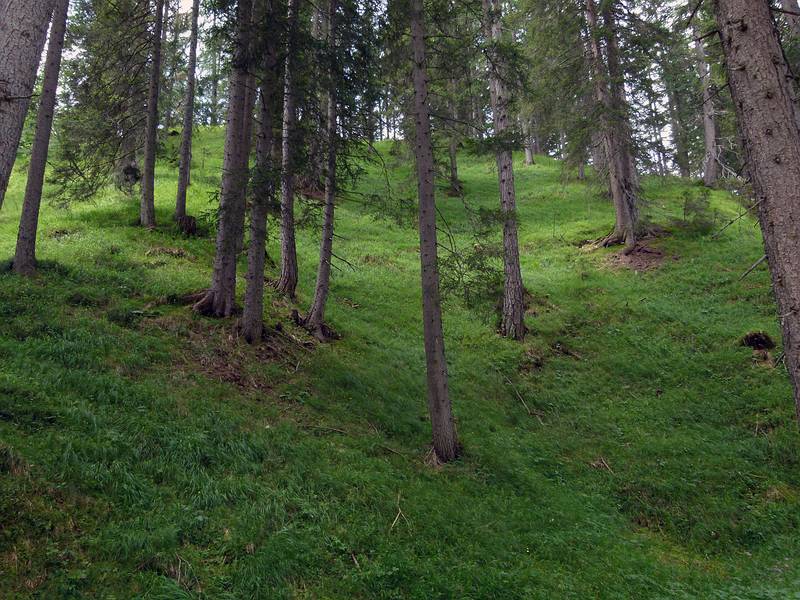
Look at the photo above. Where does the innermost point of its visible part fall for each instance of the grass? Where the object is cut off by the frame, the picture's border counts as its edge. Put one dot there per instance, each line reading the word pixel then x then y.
pixel 147 452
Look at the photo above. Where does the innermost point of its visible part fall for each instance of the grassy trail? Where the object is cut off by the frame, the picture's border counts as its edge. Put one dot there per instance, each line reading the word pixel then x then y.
pixel 147 452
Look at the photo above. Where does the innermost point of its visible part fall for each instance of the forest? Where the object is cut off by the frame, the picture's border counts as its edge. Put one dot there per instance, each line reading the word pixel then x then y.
pixel 400 299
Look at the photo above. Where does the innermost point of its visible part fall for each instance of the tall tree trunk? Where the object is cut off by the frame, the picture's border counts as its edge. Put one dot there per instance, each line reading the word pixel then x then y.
pixel 214 117
pixel 678 132
pixel 147 208
pixel 710 165
pixel 244 154
pixel 25 255
pixel 220 300
pixel 169 79
pixel 315 321
pixel 263 194
pixel 445 438
pixel 188 120
pixel 512 323
pixel 759 82
pixel 287 284
pixel 23 26
pixel 616 149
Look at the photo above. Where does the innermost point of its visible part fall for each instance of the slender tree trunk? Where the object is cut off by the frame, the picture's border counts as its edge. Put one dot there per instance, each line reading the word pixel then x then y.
pixel 147 208
pixel 23 26
pixel 759 82
pixel 445 438
pixel 452 151
pixel 263 182
pixel 616 150
pixel 287 284
pixel 188 120
pixel 244 154
pixel 220 300
pixel 315 321
pixel 25 255
pixel 710 165
pixel 214 117
pixel 678 132
pixel 253 315
pixel 512 322
pixel 527 132
pixel 169 80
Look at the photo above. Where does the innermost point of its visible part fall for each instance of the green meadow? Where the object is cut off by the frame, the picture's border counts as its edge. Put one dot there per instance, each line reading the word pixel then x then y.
pixel 631 447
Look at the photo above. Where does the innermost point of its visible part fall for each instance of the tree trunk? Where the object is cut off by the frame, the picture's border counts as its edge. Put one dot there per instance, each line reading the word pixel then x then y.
pixel 678 132
pixel 287 284
pixel 25 255
pixel 315 321
pixel 616 149
pixel 263 182
pixel 759 83
pixel 23 25
pixel 147 208
pixel 512 322
pixel 188 120
pixel 220 300
pixel 172 70
pixel 214 117
pixel 244 154
pixel 445 438
pixel 710 165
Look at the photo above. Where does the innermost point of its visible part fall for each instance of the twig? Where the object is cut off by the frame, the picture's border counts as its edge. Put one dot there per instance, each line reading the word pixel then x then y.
pixel 738 218
pixel 753 266
pixel 693 13
pixel 393 450
pixel 398 515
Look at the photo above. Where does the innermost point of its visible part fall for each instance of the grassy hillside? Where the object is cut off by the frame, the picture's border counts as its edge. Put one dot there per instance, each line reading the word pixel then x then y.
pixel 631 448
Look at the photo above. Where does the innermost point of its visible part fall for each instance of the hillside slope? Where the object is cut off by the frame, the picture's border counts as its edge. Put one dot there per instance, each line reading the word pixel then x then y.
pixel 631 448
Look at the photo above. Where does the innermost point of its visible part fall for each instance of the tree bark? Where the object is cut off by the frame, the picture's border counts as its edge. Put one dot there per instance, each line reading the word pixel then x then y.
pixel 25 255
pixel 188 119
pixel 759 82
pixel 710 165
pixel 527 132
pixel 287 284
pixel 315 321
pixel 23 26
pixel 147 207
pixel 445 438
pixel 220 300
pixel 263 187
pixel 616 148
pixel 244 154
pixel 678 132
pixel 512 322
pixel 214 116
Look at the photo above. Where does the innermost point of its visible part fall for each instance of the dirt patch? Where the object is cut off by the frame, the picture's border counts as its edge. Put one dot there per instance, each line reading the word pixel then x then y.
pixel 219 352
pixel 643 257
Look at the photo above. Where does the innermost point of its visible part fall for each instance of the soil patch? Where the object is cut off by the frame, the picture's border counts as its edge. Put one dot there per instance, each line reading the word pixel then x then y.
pixel 643 257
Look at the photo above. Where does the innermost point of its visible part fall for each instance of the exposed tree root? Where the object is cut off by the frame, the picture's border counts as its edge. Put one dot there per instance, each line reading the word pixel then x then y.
pixel 207 307
pixel 321 331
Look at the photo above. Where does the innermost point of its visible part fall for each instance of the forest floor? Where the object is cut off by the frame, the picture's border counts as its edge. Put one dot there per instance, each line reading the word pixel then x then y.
pixel 631 447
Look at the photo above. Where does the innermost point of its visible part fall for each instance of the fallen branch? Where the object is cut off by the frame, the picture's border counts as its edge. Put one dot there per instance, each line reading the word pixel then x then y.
pixel 753 267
